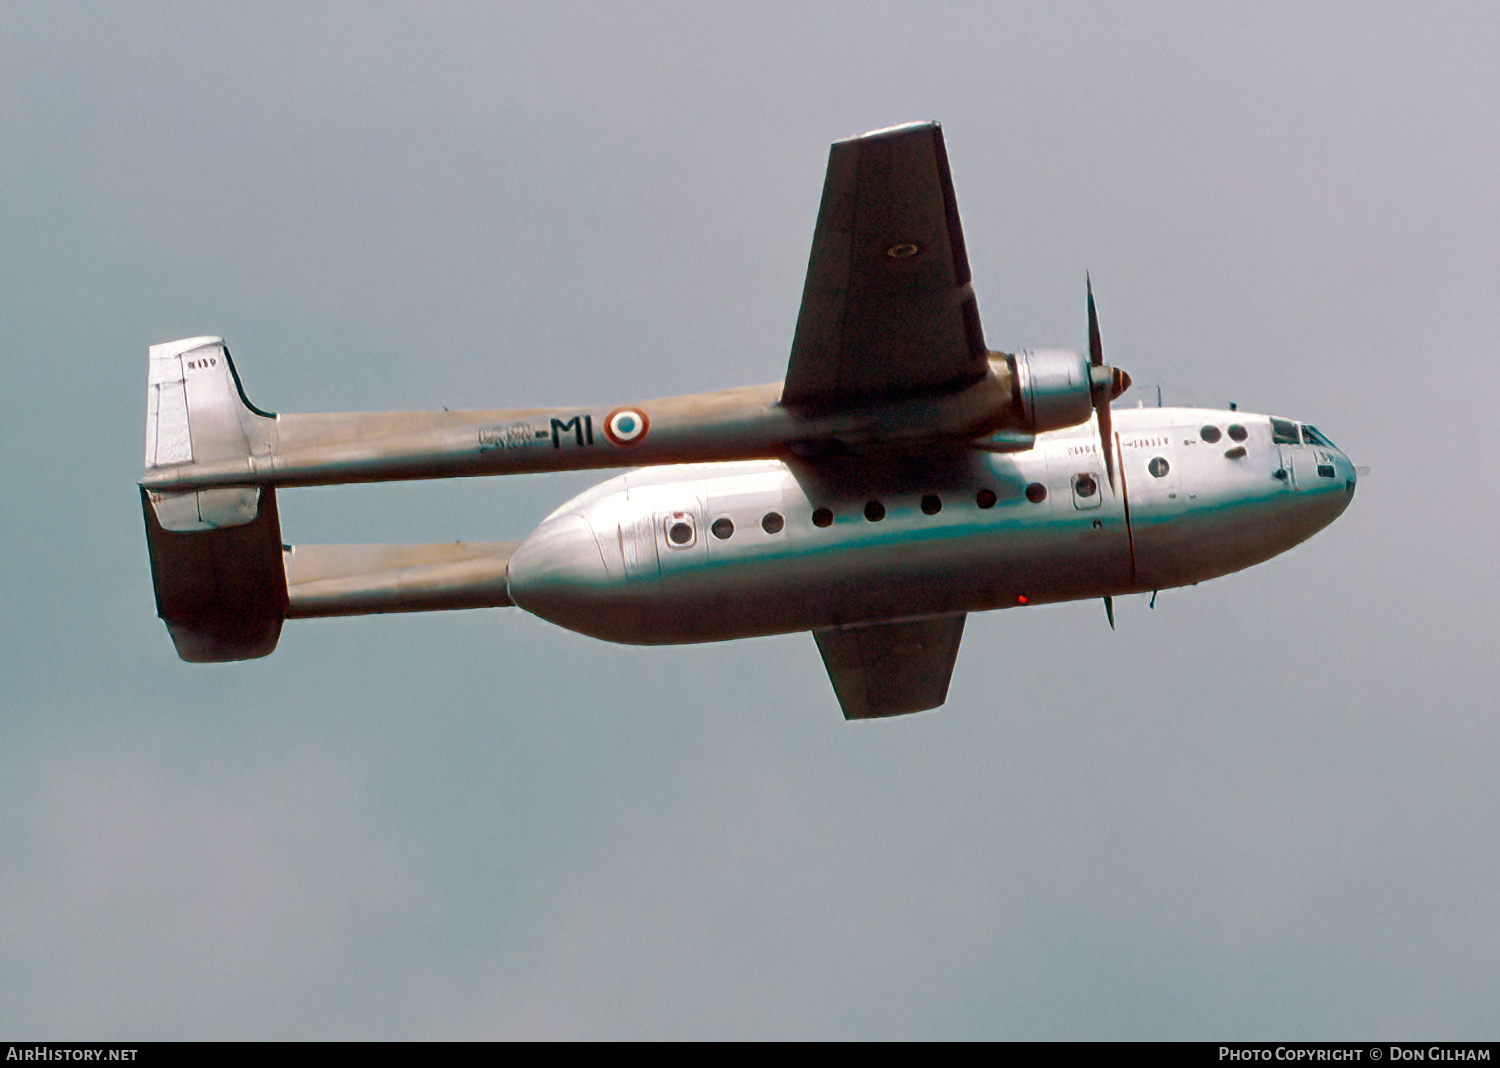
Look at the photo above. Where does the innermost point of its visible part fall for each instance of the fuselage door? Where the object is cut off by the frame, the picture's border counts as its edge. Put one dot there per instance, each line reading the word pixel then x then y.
pixel 1086 489
pixel 1096 552
pixel 681 528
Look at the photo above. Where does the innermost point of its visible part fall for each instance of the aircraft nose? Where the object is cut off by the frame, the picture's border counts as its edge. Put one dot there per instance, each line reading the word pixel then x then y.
pixel 558 572
pixel 1332 497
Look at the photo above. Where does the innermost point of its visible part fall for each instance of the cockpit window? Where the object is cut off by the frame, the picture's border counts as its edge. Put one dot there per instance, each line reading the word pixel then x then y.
pixel 1312 437
pixel 1284 432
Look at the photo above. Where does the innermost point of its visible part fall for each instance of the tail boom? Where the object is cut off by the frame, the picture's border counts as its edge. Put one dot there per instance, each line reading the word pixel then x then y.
pixel 203 434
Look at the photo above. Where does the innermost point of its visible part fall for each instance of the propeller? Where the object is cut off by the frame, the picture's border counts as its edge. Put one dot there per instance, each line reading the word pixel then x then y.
pixel 1105 383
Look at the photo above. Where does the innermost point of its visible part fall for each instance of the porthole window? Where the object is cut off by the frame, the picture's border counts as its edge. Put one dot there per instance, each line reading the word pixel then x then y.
pixel 1158 467
pixel 1210 434
pixel 874 511
pixel 772 523
pixel 723 527
pixel 1237 432
pixel 1036 493
pixel 985 498
pixel 680 530
pixel 822 517
pixel 932 504
pixel 1084 485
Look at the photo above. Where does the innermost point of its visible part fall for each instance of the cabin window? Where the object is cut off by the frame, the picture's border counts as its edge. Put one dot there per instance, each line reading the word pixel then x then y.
pixel 932 504
pixel 822 517
pixel 1210 434
pixel 1036 493
pixel 1158 467
pixel 1084 485
pixel 1284 432
pixel 680 531
pixel 1325 471
pixel 874 511
pixel 772 523
pixel 985 498
pixel 1237 432
pixel 723 527
pixel 1312 437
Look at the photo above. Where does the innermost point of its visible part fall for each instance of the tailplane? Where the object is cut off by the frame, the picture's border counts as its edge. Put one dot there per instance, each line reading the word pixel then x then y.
pixel 197 413
pixel 216 559
pixel 224 580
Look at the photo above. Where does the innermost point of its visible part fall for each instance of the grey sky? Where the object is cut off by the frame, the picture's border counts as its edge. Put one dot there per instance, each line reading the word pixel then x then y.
pixel 1265 809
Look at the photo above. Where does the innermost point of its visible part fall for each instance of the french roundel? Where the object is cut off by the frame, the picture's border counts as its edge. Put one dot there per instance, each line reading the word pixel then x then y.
pixel 626 427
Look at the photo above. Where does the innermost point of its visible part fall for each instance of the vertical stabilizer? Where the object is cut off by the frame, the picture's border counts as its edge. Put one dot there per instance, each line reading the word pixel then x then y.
pixel 196 413
pixel 216 559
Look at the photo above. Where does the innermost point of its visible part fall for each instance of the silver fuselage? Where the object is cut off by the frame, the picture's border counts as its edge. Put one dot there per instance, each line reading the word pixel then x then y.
pixel 708 552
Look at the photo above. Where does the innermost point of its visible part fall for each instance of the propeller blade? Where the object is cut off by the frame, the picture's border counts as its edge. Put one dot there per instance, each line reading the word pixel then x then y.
pixel 1105 386
pixel 1107 439
pixel 1096 346
pixel 1109 610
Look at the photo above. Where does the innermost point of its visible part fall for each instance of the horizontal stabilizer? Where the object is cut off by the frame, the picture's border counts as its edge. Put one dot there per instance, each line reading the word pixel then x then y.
pixel 357 580
pixel 888 669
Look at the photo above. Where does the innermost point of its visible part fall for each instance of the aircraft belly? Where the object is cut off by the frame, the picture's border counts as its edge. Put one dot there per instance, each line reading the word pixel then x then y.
pixel 858 576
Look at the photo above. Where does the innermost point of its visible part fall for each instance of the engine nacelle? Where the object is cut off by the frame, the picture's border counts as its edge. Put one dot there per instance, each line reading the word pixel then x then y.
pixel 1053 388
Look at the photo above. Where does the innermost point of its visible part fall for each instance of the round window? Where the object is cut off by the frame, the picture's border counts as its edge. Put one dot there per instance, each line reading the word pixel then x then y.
pixel 1237 432
pixel 822 517
pixel 932 504
pixel 723 527
pixel 985 498
pixel 1210 434
pixel 680 532
pixel 1036 493
pixel 772 523
pixel 1158 467
pixel 1084 485
pixel 874 511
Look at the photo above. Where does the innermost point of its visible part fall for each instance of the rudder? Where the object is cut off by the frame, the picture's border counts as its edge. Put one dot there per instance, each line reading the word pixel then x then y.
pixel 216 558
pixel 222 593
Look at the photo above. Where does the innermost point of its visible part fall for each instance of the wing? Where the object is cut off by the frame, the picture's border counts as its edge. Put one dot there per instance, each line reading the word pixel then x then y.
pixel 887 310
pixel 886 669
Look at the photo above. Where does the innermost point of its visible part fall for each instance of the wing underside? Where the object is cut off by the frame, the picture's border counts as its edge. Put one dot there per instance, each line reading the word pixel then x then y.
pixel 888 311
pixel 887 669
